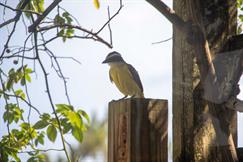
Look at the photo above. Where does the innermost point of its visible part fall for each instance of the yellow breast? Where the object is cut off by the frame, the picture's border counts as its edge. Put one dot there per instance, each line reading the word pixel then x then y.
pixel 124 81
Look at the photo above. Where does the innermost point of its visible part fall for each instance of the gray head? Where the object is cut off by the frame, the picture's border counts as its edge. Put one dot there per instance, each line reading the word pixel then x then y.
pixel 113 57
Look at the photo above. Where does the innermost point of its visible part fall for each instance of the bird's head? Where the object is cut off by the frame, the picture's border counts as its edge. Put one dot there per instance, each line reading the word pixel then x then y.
pixel 113 57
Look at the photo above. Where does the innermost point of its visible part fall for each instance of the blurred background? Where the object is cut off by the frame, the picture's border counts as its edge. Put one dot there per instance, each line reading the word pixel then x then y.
pixel 134 30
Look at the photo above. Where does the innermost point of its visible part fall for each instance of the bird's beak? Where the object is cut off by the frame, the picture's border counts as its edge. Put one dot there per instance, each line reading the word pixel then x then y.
pixel 105 61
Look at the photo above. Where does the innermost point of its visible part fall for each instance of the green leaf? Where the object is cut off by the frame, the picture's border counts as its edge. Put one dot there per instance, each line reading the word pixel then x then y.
pixel 77 134
pixel 25 126
pixel 97 4
pixel 17 114
pixel 40 124
pixel 75 119
pixel 39 139
pixel 66 125
pixel 69 32
pixel 39 5
pixel 241 17
pixel 10 83
pixel 64 39
pixel 12 113
pixel 66 128
pixel 85 115
pixel 66 15
pixel 23 81
pixel 28 70
pixel 45 116
pixel 51 133
pixel 61 108
pixel 58 20
pixel 20 93
pixel 5 116
pixel 61 33
pixel 28 78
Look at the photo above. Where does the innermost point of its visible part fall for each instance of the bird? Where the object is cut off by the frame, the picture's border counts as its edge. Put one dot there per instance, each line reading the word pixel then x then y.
pixel 124 76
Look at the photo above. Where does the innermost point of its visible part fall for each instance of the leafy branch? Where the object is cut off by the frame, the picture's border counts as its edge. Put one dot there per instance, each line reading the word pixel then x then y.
pixel 65 119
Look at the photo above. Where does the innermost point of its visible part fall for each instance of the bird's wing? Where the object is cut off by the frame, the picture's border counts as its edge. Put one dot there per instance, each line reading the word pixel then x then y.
pixel 135 76
pixel 110 77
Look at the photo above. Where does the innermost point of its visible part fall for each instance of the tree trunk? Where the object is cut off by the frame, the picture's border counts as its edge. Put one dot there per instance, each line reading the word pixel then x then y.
pixel 183 79
pixel 202 130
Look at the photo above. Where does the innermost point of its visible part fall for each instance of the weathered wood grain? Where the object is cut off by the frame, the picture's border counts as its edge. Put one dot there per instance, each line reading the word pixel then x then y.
pixel 137 130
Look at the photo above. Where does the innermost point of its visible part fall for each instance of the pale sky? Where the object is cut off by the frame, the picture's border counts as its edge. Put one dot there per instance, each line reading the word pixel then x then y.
pixel 134 30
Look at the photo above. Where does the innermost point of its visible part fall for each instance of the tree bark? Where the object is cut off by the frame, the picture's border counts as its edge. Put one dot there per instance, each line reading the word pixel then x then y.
pixel 202 125
pixel 183 79
pixel 202 129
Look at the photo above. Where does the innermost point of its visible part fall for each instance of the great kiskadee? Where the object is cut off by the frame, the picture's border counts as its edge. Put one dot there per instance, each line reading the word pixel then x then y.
pixel 124 76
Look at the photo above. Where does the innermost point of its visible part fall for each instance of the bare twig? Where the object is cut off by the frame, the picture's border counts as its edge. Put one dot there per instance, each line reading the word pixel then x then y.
pixel 58 70
pixel 24 100
pixel 20 10
pixel 166 40
pixel 7 22
pixel 40 150
pixel 109 20
pixel 109 25
pixel 76 20
pixel 16 19
pixel 94 35
pixel 50 97
pixel 197 39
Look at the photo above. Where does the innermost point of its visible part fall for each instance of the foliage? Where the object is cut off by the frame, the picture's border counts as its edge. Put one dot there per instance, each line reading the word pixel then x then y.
pixel 94 144
pixel 240 16
pixel 28 134
pixel 25 136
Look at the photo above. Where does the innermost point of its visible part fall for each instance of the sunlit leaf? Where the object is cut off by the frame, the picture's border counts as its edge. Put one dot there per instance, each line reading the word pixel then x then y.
pixel 69 32
pixel 63 107
pixel 75 119
pixel 25 126
pixel 28 78
pixel 28 70
pixel 20 93
pixel 97 4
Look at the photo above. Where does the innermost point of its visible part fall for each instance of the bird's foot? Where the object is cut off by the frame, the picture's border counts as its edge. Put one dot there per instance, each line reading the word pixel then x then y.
pixel 133 96
pixel 123 97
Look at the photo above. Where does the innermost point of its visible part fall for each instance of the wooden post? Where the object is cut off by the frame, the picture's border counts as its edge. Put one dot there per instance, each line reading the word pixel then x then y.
pixel 240 154
pixel 137 130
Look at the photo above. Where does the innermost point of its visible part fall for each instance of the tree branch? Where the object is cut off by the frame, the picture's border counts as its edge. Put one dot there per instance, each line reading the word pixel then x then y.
pixel 110 18
pixel 94 35
pixel 169 14
pixel 50 97
pixel 32 27
pixel 196 37
pixel 15 19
